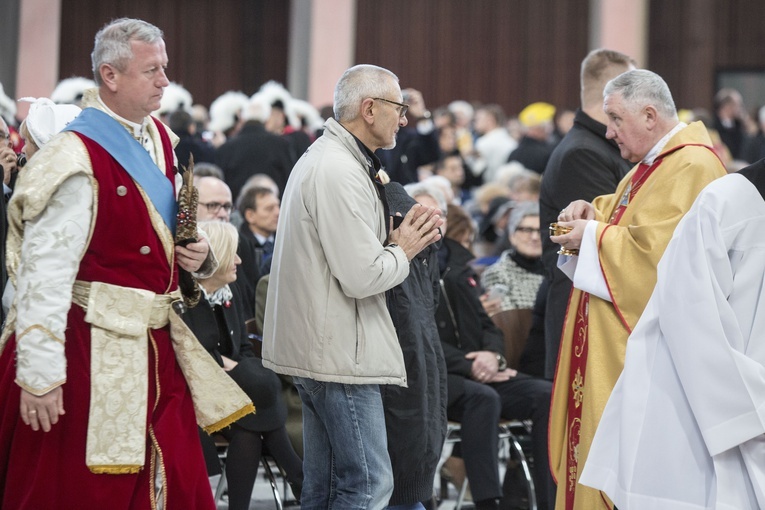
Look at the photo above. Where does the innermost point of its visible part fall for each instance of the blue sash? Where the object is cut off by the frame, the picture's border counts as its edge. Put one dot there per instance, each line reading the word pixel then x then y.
pixel 115 139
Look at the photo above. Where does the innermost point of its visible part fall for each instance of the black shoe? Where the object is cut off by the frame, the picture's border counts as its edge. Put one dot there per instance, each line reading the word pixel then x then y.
pixel 297 489
pixel 487 504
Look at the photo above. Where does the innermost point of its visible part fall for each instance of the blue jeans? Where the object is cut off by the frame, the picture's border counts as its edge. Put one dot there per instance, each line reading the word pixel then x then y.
pixel 345 460
pixel 416 506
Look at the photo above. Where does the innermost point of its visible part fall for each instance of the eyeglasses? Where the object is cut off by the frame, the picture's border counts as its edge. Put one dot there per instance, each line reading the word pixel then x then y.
pixel 214 207
pixel 402 107
pixel 527 230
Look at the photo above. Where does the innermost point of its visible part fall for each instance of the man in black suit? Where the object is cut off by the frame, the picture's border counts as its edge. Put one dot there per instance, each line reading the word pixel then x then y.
pixel 259 208
pixel 254 150
pixel 583 166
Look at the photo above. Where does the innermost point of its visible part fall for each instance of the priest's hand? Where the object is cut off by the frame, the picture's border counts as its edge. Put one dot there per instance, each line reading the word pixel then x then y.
pixel 577 210
pixel 572 240
pixel 42 411
pixel 191 256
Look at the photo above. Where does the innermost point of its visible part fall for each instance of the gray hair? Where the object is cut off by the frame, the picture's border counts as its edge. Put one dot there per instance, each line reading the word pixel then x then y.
pixel 520 211
pixel 431 190
pixel 358 83
pixel 112 44
pixel 640 88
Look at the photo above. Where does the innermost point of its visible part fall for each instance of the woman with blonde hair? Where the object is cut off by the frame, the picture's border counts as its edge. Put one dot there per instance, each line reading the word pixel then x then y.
pixel 218 323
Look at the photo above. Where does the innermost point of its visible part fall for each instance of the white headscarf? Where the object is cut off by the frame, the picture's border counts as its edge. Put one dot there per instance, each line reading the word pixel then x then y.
pixel 46 118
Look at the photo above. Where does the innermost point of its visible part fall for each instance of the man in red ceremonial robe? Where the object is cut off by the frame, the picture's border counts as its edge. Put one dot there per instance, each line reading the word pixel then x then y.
pixel 97 370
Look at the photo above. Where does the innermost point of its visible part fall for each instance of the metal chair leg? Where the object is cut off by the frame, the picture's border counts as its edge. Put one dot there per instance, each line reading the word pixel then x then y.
pixel 272 480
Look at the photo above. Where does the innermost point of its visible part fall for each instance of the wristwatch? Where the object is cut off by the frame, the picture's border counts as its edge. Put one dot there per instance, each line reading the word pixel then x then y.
pixel 501 363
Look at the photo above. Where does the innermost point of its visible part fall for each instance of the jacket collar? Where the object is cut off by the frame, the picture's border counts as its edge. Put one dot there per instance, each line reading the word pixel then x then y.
pixel 336 131
pixel 456 254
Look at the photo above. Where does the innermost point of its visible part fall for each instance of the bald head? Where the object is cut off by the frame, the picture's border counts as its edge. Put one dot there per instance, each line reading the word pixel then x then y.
pixel 215 200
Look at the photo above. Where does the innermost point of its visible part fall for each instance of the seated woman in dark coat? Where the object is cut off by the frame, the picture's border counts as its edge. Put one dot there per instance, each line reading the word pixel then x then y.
pixel 218 323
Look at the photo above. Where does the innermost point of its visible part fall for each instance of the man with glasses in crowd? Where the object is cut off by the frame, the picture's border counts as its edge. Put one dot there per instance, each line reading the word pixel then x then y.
pixel 214 199
pixel 326 321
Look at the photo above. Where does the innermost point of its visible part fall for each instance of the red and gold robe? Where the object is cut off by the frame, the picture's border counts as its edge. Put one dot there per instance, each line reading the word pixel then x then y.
pixel 128 247
pixel 630 243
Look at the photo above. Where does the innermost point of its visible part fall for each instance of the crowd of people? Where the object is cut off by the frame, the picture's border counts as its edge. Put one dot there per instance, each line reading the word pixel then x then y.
pixel 351 274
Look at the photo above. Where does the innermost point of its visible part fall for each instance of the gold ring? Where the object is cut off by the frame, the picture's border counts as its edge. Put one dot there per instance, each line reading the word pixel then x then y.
pixel 33 411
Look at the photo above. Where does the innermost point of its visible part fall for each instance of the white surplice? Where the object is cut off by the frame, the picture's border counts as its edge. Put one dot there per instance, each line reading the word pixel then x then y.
pixel 683 428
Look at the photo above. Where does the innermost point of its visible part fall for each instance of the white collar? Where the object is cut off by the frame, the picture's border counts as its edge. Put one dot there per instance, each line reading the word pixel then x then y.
pixel 262 239
pixel 218 297
pixel 656 150
pixel 137 129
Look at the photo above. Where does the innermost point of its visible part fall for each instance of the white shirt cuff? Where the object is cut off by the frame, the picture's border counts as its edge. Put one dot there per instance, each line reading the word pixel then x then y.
pixel 587 273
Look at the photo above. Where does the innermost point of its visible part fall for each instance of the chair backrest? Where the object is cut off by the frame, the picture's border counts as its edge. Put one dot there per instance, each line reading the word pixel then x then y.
pixel 515 326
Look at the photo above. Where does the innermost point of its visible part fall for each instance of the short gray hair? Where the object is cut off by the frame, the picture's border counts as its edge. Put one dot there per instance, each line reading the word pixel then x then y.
pixel 112 44
pixel 356 84
pixel 431 190
pixel 640 88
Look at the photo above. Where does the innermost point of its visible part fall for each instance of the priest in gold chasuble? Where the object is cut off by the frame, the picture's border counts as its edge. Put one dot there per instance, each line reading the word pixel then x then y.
pixel 619 240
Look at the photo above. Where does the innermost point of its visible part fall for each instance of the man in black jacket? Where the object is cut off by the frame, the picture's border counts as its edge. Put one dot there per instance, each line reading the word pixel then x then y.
pixel 415 416
pixel 254 150
pixel 481 389
pixel 583 166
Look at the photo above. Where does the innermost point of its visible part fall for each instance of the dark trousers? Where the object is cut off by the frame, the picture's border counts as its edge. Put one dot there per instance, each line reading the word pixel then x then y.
pixel 479 409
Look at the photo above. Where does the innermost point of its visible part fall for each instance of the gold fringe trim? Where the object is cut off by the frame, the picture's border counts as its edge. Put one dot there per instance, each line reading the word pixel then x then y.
pixel 222 424
pixel 115 470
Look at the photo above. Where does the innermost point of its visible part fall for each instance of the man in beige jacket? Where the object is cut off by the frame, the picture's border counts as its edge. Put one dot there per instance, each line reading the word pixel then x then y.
pixel 326 321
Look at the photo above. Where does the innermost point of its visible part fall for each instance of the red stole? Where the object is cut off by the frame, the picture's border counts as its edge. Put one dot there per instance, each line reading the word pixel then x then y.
pixel 580 347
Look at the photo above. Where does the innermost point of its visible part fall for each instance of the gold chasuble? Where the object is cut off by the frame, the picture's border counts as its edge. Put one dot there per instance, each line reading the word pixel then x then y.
pixel 635 226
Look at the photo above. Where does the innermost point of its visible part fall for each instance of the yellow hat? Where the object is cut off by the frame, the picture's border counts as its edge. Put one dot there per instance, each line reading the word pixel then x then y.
pixel 536 114
pixel 685 115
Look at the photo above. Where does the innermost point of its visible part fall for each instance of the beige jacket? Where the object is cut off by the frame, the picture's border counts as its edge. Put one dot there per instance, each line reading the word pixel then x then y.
pixel 326 316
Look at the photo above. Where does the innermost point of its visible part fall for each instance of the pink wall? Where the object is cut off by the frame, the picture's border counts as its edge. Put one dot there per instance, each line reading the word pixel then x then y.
pixel 37 69
pixel 333 35
pixel 624 27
